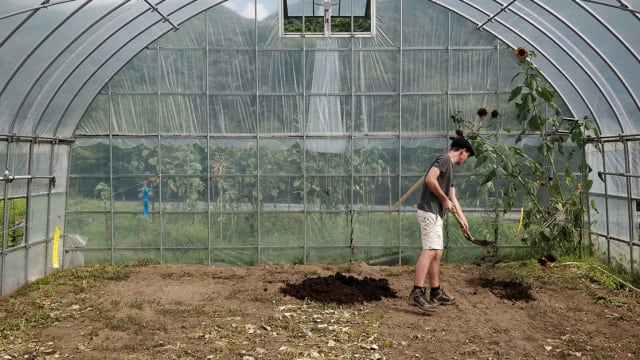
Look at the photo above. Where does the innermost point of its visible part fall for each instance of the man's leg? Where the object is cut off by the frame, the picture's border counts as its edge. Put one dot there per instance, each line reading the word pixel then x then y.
pixel 419 294
pixel 433 271
pixel 436 294
pixel 422 266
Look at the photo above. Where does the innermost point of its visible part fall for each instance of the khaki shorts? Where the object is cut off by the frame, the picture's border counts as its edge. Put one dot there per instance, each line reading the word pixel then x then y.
pixel 430 230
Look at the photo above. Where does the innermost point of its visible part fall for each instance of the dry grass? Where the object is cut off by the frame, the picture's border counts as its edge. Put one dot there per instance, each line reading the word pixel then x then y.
pixel 194 312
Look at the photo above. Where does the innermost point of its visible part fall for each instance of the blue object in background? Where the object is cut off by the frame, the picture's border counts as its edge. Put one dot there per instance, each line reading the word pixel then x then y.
pixel 145 201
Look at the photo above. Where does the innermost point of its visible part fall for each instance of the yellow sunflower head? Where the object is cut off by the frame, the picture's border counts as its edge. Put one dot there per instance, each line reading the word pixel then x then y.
pixel 521 53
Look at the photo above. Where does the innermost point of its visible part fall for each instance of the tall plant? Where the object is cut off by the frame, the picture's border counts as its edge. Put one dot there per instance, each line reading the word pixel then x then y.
pixel 552 222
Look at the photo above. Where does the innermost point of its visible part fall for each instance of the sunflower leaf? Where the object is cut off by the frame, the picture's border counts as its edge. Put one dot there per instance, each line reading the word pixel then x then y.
pixel 515 92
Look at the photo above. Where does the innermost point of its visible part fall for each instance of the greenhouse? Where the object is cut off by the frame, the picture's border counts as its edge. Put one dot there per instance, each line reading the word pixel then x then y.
pixel 243 132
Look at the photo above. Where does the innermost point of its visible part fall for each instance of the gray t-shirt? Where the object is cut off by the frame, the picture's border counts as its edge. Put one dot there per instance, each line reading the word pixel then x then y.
pixel 428 200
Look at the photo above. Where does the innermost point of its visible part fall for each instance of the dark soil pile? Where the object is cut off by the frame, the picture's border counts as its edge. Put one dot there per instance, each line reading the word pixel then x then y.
pixel 340 289
pixel 346 289
pixel 508 289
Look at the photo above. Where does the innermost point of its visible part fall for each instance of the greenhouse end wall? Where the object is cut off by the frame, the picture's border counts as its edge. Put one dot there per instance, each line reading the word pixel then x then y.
pixel 225 143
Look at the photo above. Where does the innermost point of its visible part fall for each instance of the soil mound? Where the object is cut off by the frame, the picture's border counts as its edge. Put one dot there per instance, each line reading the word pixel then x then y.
pixel 340 289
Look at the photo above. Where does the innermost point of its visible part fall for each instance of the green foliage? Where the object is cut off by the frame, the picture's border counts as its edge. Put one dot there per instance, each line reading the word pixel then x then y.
pixel 343 24
pixel 97 273
pixel 103 192
pixel 181 160
pixel 544 175
pixel 315 24
pixel 312 25
pixel 17 216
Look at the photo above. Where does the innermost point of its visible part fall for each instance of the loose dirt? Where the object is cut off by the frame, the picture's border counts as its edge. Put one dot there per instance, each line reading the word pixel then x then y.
pixel 348 311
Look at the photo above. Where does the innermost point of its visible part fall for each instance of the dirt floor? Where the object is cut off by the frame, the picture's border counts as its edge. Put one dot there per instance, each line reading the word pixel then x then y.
pixel 349 311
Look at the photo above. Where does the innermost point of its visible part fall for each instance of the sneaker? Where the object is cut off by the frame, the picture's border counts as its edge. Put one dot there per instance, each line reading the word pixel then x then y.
pixel 441 298
pixel 418 298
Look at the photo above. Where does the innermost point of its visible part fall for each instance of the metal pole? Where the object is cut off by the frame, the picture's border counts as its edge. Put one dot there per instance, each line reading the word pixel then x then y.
pixel 606 206
pixel 627 167
pixel 479 27
pixel 5 233
pixel 621 7
pixel 44 5
pixel 164 17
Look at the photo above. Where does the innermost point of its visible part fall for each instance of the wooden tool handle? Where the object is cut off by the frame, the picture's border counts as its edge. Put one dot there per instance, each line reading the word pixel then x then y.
pixel 468 235
pixel 404 197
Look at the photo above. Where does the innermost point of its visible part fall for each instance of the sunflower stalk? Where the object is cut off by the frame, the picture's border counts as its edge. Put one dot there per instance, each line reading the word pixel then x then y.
pixel 530 73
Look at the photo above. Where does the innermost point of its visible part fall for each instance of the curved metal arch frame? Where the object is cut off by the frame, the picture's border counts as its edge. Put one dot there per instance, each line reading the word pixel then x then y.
pixel 44 68
pixel 511 30
pixel 625 7
pixel 96 69
pixel 51 60
pixel 540 50
pixel 117 51
pixel 34 48
pixel 55 58
pixel 609 64
pixel 586 71
pixel 13 31
pixel 44 5
pixel 481 17
pixel 609 28
pixel 137 37
pixel 81 62
pixel 148 28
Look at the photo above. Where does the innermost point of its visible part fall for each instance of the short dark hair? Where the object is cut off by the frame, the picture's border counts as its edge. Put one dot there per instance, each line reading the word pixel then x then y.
pixel 461 143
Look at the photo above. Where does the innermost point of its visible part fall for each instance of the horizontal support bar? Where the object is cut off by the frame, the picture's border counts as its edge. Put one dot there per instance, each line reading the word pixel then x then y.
pixel 601 174
pixel 7 177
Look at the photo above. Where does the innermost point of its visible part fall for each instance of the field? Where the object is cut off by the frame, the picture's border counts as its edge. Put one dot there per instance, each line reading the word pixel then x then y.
pixel 511 310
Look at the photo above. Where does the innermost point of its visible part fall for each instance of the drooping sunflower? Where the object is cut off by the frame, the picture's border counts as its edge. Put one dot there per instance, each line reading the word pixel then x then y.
pixel 521 53
pixel 494 114
pixel 482 112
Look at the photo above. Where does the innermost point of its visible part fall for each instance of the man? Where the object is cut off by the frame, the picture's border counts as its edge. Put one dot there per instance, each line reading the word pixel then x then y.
pixel 438 196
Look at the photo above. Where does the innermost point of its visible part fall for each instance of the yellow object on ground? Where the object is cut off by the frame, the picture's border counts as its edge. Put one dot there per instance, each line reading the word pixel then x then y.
pixel 56 244
pixel 520 223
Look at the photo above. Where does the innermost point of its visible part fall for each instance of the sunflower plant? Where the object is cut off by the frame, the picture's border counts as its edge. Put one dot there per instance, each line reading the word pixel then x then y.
pixel 553 222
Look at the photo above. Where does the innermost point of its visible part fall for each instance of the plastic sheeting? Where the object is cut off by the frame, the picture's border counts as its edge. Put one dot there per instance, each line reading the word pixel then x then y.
pixel 121 75
pixel 57 56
